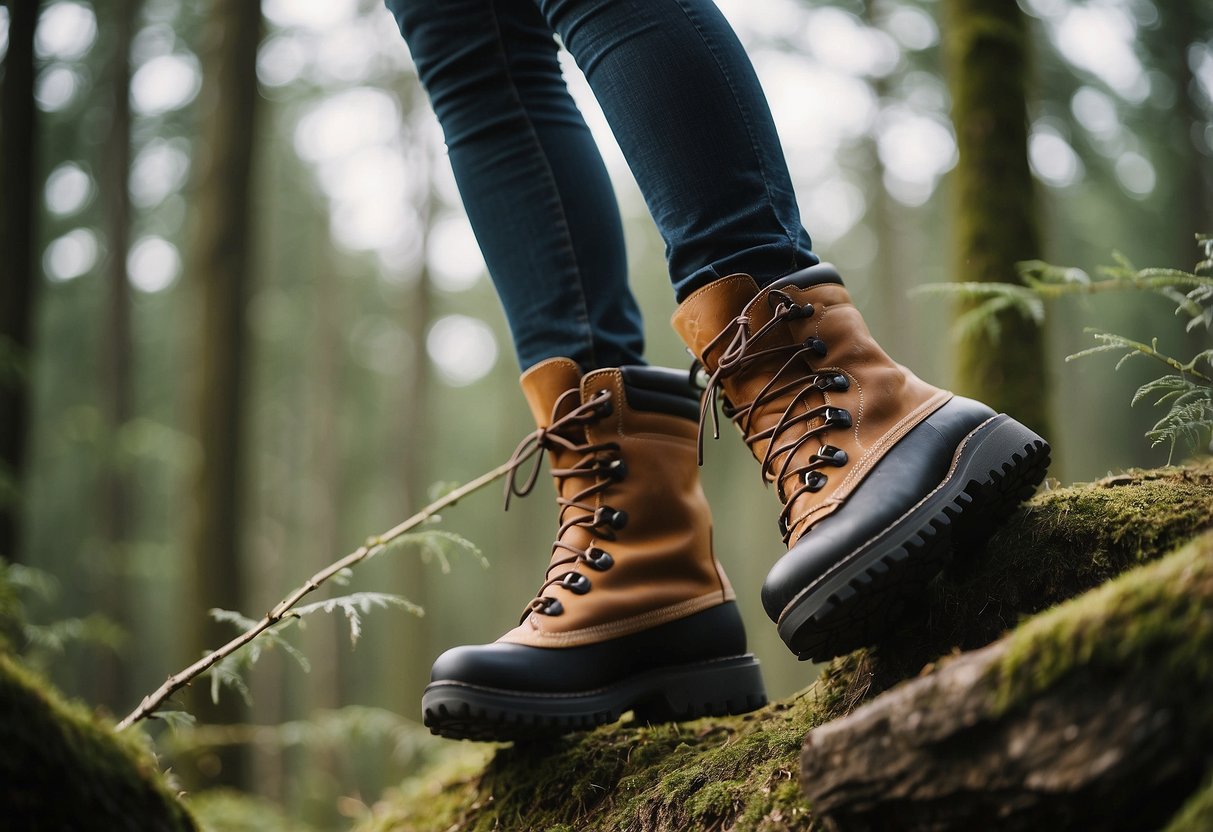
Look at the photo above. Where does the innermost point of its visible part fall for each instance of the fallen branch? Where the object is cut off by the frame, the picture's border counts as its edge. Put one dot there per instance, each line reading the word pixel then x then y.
pixel 152 702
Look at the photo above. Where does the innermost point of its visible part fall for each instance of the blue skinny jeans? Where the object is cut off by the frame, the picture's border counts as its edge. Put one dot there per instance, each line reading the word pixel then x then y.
pixel 687 110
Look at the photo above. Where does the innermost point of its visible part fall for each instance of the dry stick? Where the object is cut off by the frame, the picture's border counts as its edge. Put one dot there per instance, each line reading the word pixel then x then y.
pixel 152 702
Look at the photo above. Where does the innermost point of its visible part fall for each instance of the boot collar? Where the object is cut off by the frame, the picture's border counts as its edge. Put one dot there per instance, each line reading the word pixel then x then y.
pixel 546 384
pixel 702 316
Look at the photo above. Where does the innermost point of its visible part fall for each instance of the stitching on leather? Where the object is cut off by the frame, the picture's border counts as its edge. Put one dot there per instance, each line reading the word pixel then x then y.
pixel 890 438
pixel 944 482
pixel 623 627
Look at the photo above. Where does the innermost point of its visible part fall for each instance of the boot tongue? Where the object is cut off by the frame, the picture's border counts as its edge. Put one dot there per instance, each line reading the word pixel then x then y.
pixel 703 315
pixel 545 383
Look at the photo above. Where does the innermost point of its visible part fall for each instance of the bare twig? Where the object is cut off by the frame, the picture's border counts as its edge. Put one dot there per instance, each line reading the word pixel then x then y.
pixel 372 546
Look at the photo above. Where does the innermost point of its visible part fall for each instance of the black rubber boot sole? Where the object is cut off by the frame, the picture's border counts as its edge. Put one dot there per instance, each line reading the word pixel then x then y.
pixel 713 688
pixel 995 468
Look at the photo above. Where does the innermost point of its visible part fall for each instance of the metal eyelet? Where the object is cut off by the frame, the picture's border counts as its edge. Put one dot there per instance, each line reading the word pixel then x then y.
pixel 835 382
pixel 783 525
pixel 615 518
pixel 616 469
pixel 831 455
pixel 576 583
pixel 599 560
pixel 551 606
pixel 776 297
pixel 816 345
pixel 838 417
pixel 698 375
pixel 815 480
pixel 606 408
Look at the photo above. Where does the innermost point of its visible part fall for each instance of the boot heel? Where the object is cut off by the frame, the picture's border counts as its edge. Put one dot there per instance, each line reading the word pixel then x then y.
pixel 716 688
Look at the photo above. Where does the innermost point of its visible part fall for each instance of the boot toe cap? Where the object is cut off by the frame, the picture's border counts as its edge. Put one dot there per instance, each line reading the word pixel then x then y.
pixel 906 474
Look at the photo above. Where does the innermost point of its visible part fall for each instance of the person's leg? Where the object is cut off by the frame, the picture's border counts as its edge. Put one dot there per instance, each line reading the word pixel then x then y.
pixel 532 180
pixel 685 104
pixel 876 469
pixel 634 612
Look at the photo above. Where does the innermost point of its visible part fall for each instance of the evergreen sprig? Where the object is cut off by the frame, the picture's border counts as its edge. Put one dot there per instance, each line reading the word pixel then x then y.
pixel 1186 390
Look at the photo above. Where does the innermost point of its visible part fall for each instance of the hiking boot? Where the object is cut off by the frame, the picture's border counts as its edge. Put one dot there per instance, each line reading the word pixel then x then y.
pixel 635 612
pixel 877 470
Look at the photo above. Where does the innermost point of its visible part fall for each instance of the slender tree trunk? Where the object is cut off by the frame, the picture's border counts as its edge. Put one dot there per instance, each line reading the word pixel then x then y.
pixel 115 497
pixel 888 293
pixel 220 270
pixel 410 448
pixel 324 464
pixel 1196 210
pixel 994 220
pixel 19 212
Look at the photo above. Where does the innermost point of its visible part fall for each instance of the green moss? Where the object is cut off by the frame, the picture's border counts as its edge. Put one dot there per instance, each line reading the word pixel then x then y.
pixel 1158 618
pixel 1197 814
pixel 1061 544
pixel 63 769
pixel 11 612
pixel 742 773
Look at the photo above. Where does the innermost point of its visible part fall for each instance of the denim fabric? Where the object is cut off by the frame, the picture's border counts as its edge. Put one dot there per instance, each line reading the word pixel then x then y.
pixel 686 107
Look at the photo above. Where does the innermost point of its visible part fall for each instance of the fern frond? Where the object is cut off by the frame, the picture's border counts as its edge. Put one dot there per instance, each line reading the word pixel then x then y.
pixel 175 720
pixel 55 637
pixel 226 673
pixel 37 582
pixel 353 606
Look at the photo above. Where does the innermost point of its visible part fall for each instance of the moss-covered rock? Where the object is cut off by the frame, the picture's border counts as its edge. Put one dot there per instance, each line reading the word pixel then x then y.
pixel 1197 814
pixel 742 773
pixel 1063 543
pixel 63 769
pixel 1097 714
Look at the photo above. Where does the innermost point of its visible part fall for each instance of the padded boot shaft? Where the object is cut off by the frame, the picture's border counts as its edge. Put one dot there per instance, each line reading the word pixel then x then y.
pixel 634 547
pixel 816 398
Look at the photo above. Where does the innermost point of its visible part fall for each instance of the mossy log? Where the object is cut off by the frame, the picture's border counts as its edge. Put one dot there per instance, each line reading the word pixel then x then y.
pixel 1063 543
pixel 1095 715
pixel 63 769
pixel 742 773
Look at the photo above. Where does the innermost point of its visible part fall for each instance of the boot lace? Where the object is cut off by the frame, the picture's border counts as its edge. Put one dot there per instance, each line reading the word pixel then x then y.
pixel 742 350
pixel 601 464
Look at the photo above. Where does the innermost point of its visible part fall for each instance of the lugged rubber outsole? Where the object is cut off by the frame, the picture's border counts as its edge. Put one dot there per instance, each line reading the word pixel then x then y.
pixel 997 466
pixel 720 687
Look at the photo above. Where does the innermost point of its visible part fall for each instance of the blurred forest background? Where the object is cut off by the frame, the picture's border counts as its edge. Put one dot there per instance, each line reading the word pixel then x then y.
pixel 233 378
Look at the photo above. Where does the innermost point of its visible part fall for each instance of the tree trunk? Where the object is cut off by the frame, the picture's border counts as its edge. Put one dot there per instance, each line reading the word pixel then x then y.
pixel 19 212
pixel 115 496
pixel 1181 25
pixel 220 271
pixel 994 215
pixel 411 456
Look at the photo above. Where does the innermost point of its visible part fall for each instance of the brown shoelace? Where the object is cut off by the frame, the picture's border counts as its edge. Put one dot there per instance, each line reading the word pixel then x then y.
pixel 778 465
pixel 599 462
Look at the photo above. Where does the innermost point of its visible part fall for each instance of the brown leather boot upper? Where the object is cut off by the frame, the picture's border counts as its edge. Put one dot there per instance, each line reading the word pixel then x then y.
pixel 815 397
pixel 633 546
